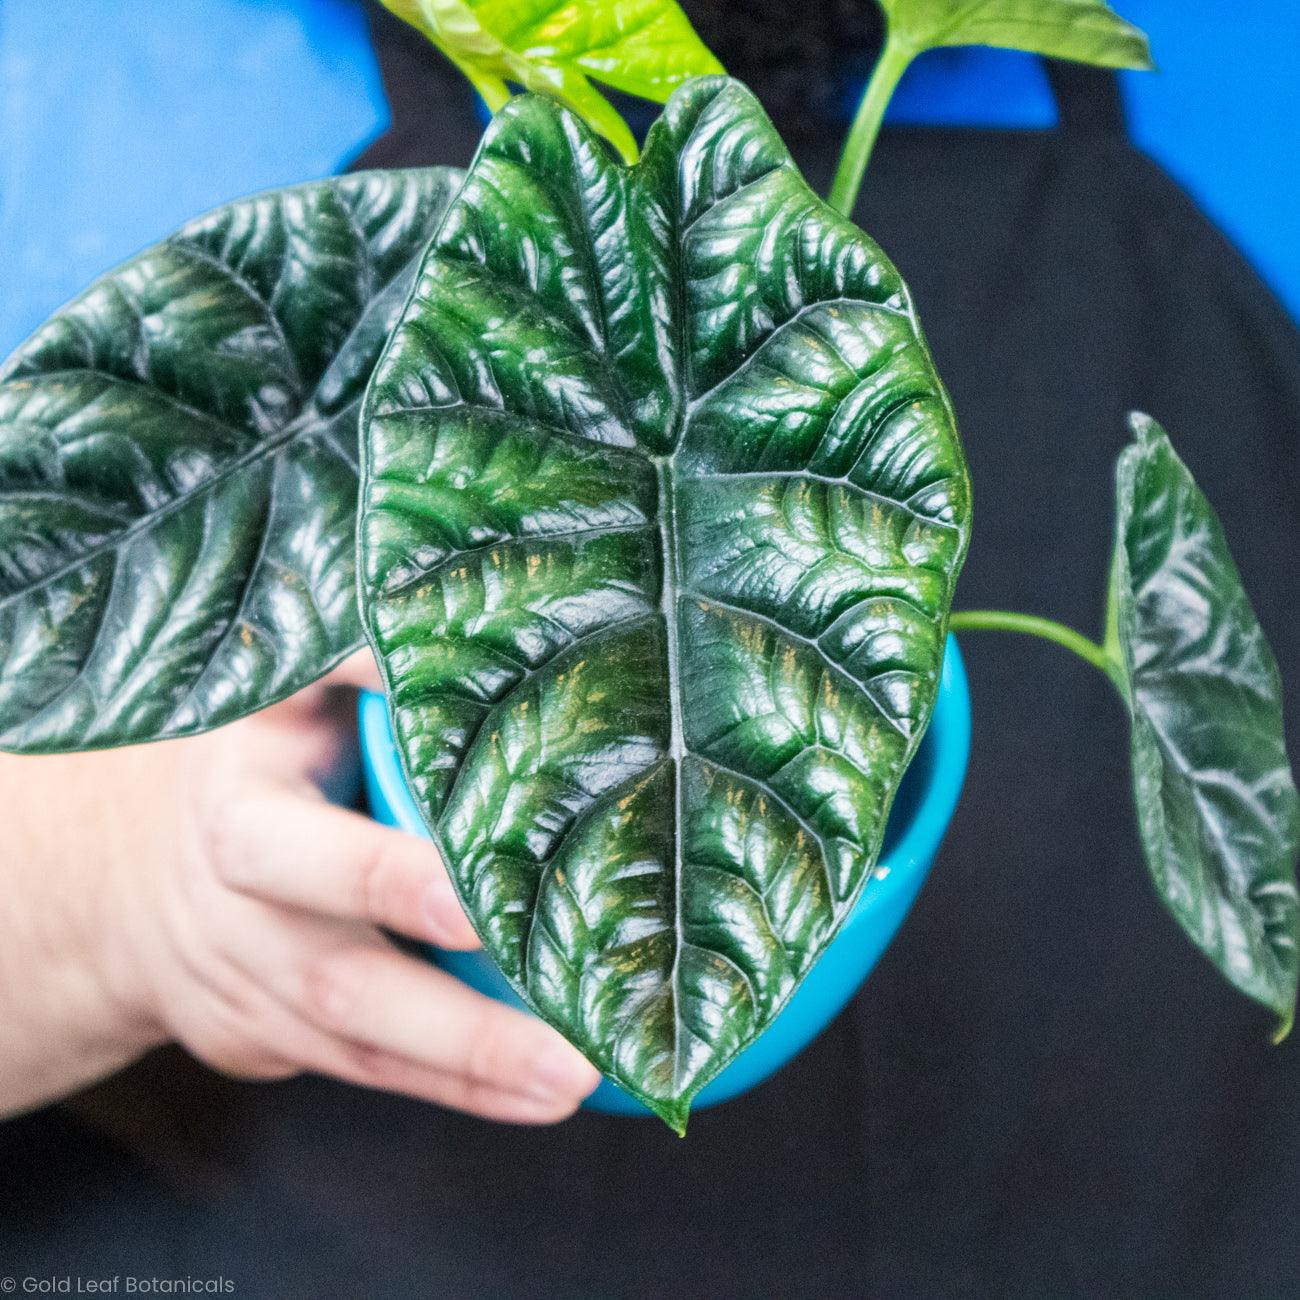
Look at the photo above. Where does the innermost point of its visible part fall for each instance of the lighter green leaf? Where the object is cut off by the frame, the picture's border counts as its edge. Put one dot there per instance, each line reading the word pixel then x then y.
pixel 664 505
pixel 1217 804
pixel 556 47
pixel 178 471
pixel 1087 31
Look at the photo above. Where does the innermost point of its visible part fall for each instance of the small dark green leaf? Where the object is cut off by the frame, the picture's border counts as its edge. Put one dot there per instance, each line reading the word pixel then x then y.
pixel 664 506
pixel 1217 804
pixel 1087 31
pixel 178 468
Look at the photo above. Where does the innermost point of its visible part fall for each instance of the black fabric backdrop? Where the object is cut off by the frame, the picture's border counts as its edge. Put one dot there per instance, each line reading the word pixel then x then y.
pixel 1042 1090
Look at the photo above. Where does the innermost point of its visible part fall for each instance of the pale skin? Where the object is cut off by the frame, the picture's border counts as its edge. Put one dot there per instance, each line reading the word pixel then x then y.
pixel 203 891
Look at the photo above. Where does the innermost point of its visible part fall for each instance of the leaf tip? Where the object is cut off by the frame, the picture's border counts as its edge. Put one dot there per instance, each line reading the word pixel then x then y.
pixel 674 1113
pixel 1143 427
pixel 1285 1023
pixel 1140 60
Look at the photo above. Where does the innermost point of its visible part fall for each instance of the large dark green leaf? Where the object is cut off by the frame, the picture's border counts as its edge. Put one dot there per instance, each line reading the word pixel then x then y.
pixel 178 465
pixel 1217 804
pixel 664 505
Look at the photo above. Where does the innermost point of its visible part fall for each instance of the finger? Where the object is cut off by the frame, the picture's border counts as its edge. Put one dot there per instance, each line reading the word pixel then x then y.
pixel 371 1069
pixel 284 1045
pixel 305 738
pixel 374 995
pixel 285 847
pixel 314 730
pixel 352 984
pixel 357 670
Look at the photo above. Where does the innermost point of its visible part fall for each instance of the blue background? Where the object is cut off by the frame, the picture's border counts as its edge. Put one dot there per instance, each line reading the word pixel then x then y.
pixel 118 121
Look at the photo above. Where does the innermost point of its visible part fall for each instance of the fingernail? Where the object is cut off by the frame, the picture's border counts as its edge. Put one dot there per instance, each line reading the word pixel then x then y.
pixel 561 1070
pixel 446 918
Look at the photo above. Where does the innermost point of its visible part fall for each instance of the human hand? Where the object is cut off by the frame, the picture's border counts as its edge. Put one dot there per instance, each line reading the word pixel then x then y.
pixel 239 912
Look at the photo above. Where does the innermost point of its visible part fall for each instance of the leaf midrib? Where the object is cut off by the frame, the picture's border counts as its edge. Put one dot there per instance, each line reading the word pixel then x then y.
pixel 669 586
pixel 263 450
pixel 670 580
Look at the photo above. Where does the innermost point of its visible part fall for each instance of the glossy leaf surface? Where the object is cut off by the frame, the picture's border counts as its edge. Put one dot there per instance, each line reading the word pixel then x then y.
pixel 664 506
pixel 558 47
pixel 1087 31
pixel 178 465
pixel 1217 803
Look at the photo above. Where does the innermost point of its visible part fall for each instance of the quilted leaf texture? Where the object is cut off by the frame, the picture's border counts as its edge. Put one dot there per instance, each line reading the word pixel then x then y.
pixel 663 508
pixel 178 465
pixel 1216 799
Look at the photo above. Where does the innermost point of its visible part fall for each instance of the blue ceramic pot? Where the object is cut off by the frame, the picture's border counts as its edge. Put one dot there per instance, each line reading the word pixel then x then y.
pixel 920 816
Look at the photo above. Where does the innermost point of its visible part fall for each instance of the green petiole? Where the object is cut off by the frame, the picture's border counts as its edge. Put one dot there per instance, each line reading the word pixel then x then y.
pixel 1086 31
pixel 894 59
pixel 1002 620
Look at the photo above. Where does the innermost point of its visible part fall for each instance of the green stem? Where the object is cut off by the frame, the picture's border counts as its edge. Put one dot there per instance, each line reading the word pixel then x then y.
pixel 894 59
pixel 1111 643
pixel 1001 620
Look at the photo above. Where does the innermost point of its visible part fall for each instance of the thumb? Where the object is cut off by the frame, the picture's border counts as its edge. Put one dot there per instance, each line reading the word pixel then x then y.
pixel 357 670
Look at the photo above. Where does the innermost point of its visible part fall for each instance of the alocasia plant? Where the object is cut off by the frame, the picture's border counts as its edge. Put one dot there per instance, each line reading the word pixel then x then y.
pixel 662 506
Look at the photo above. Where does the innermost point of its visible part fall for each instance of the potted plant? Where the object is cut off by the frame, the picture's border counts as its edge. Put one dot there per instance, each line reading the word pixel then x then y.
pixel 638 477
